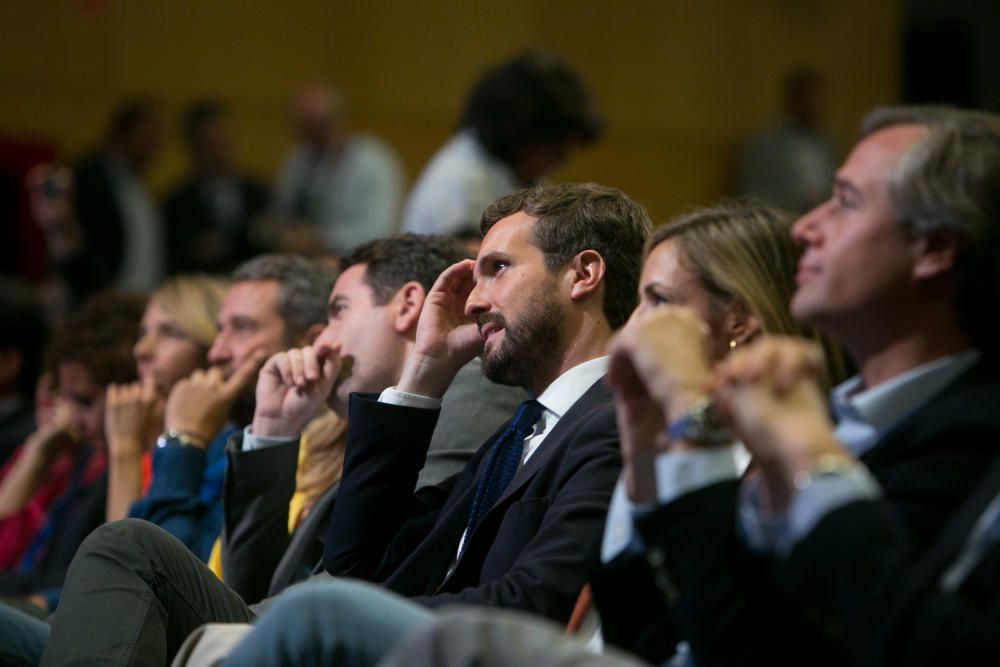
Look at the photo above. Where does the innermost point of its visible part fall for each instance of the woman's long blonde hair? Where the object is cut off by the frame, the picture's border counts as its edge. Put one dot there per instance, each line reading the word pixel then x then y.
pixel 741 251
pixel 193 301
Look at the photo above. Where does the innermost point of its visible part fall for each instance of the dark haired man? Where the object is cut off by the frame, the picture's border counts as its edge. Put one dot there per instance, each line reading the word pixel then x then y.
pixel 521 120
pixel 208 214
pixel 510 528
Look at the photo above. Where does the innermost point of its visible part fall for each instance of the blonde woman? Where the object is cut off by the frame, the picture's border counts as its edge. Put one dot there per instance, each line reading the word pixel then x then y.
pixel 176 332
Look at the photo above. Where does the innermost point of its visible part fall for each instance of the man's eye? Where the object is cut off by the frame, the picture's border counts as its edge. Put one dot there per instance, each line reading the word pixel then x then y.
pixel 499 266
pixel 845 200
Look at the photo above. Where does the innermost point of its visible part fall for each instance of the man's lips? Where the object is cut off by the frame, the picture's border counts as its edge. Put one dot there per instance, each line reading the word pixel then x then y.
pixel 489 329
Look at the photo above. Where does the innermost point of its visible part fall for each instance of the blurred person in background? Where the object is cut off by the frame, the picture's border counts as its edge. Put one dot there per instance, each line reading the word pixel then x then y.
pixel 53 490
pixel 23 332
pixel 101 224
pixel 521 120
pixel 336 189
pixel 176 332
pixel 791 162
pixel 209 213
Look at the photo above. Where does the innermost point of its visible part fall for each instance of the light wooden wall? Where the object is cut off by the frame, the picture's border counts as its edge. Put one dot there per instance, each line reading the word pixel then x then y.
pixel 679 80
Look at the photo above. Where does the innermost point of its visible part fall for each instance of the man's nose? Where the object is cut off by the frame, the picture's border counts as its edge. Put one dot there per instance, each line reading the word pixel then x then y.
pixel 219 352
pixel 477 303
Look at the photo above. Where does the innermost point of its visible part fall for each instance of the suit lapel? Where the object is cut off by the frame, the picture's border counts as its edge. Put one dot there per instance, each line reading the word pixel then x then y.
pixel 945 411
pixel 597 394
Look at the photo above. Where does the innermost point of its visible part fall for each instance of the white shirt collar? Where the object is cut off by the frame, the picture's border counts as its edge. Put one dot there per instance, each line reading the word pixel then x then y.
pixel 567 389
pixel 890 401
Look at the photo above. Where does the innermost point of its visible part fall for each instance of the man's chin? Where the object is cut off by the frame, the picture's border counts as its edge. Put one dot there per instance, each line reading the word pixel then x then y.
pixel 339 399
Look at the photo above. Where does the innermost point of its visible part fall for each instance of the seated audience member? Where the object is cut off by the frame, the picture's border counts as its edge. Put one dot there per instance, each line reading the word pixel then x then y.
pixel 274 302
pixel 53 493
pixel 101 224
pixel 208 214
pixel 556 274
pixel 731 268
pixel 174 337
pixel 373 313
pixel 335 189
pixel 23 332
pixel 857 543
pixel 521 120
pixel 898 266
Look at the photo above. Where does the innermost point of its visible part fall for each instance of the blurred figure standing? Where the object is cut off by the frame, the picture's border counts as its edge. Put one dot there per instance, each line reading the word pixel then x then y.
pixel 791 162
pixel 101 224
pixel 335 188
pixel 520 122
pixel 208 214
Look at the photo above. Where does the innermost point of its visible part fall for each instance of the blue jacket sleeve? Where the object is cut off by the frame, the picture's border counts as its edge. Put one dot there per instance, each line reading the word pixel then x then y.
pixel 185 496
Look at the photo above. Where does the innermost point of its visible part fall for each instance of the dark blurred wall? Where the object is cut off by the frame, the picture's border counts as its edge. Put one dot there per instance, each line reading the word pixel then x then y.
pixel 952 52
pixel 680 81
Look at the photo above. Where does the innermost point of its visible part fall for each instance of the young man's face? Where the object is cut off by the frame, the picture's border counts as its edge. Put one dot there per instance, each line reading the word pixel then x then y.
pixel 517 302
pixel 249 320
pixel 365 335
pixel 857 261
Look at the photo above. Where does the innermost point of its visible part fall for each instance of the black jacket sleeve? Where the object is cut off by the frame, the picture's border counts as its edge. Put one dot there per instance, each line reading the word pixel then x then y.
pixel 386 448
pixel 258 488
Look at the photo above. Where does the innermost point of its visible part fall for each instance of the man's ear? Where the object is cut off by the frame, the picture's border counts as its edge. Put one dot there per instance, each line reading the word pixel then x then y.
pixel 935 254
pixel 310 335
pixel 741 325
pixel 588 270
pixel 406 305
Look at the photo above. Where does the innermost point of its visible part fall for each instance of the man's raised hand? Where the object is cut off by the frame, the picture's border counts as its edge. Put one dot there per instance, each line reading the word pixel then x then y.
pixel 290 389
pixel 199 405
pixel 446 338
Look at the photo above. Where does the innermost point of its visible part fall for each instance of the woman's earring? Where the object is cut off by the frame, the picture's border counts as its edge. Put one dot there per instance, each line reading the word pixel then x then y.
pixel 732 343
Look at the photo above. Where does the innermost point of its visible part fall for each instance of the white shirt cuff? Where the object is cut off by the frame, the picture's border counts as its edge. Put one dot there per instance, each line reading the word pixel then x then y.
pixel 252 442
pixel 394 396
pixel 677 473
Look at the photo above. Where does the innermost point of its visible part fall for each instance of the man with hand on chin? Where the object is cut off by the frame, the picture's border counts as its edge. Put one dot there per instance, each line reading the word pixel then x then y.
pixel 556 274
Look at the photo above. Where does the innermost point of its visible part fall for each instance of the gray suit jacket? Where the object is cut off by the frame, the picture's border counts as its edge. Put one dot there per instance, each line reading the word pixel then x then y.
pixel 260 559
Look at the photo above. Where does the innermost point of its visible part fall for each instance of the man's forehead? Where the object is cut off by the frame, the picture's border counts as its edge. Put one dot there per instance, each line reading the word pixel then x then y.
pixel 251 296
pixel 508 235
pixel 875 156
pixel 351 283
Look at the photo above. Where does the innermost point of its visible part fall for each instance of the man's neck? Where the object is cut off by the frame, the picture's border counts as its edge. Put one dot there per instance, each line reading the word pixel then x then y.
pixel 879 361
pixel 590 342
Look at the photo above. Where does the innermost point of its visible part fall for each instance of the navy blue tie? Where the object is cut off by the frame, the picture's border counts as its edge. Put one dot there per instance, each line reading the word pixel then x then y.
pixel 502 463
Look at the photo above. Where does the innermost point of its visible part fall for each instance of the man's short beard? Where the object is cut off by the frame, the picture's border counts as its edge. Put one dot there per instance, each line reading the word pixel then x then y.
pixel 530 344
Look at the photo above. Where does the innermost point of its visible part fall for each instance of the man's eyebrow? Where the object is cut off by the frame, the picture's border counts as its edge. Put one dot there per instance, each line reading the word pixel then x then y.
pixel 843 184
pixel 489 257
